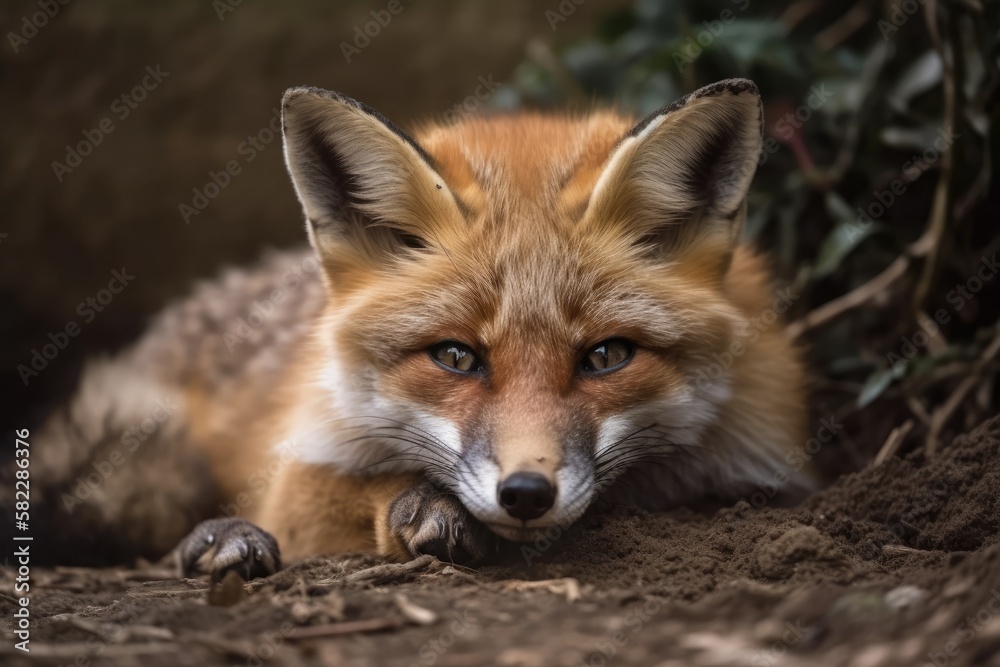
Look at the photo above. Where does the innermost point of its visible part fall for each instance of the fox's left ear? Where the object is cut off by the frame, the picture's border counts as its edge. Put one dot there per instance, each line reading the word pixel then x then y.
pixel 370 192
pixel 679 179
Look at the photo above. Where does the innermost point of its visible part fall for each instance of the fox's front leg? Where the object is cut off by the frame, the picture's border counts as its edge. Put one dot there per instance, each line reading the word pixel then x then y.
pixel 313 510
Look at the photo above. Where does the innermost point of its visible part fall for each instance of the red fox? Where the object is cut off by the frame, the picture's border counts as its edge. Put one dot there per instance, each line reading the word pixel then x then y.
pixel 504 318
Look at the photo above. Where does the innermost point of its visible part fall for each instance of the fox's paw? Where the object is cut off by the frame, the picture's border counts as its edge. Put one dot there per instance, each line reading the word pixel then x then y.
pixel 428 521
pixel 219 546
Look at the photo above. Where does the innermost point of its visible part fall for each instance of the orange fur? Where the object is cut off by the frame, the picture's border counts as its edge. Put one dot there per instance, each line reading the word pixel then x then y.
pixel 530 239
pixel 538 262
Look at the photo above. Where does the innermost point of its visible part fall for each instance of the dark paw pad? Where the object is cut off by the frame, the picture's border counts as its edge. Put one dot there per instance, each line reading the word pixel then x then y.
pixel 219 546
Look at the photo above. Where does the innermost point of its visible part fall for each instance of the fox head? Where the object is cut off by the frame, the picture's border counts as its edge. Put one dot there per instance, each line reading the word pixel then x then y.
pixel 522 306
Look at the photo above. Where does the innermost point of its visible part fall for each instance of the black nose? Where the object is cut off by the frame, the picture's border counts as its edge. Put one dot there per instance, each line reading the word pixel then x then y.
pixel 527 495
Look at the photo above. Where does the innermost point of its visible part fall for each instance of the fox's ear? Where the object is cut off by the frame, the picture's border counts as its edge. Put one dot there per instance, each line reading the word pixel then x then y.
pixel 366 187
pixel 679 179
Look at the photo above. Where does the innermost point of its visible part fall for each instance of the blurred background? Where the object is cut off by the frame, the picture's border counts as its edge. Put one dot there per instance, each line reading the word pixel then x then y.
pixel 139 156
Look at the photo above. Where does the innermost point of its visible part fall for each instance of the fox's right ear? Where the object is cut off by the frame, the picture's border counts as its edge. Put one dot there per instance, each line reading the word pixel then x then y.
pixel 677 183
pixel 369 191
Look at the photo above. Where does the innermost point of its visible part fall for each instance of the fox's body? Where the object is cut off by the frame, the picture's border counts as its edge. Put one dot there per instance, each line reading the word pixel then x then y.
pixel 444 336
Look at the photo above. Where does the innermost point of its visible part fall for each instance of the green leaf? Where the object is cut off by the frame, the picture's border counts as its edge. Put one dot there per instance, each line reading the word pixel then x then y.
pixel 876 384
pixel 919 77
pixel 842 239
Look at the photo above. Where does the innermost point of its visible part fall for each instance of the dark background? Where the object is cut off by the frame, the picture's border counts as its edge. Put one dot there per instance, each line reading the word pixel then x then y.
pixel 891 76
pixel 119 208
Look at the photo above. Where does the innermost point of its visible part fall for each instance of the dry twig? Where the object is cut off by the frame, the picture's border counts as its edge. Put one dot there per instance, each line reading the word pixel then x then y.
pixel 391 572
pixel 944 413
pixel 798 11
pixel 933 241
pixel 903 550
pixel 848 24
pixel 892 443
pixel 345 628
pixel 856 297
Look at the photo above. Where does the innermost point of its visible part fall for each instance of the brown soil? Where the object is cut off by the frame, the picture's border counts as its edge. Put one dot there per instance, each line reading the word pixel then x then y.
pixel 896 565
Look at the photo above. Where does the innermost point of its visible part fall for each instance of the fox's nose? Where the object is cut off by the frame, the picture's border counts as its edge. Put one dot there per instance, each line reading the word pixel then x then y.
pixel 527 495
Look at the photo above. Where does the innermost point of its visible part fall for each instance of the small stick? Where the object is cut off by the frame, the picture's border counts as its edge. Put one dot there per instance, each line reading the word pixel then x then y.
pixel 841 29
pixel 856 297
pixel 917 408
pixel 344 628
pixel 903 550
pixel 68 651
pixel 390 571
pixel 892 443
pixel 947 410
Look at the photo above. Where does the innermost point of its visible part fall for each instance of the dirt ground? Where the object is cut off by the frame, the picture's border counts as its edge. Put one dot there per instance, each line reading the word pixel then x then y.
pixel 894 565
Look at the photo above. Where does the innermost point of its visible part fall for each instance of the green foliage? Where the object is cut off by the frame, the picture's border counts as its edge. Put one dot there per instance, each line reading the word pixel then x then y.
pixel 856 95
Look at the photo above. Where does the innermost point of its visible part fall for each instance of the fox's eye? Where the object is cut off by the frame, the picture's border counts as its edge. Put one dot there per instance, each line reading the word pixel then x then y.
pixel 456 357
pixel 607 356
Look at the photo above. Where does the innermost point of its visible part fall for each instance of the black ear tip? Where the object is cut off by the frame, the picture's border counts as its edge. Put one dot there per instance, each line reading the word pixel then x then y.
pixel 312 92
pixel 730 86
pixel 719 88
pixel 293 94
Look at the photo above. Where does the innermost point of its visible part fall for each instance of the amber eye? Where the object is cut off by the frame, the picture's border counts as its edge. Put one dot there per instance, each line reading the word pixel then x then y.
pixel 607 356
pixel 456 357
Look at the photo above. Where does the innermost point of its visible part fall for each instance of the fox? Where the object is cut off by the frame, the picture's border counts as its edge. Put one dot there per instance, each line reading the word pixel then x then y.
pixel 500 319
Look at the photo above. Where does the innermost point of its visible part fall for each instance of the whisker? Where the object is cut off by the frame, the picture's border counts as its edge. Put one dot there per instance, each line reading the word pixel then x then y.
pixel 428 457
pixel 657 448
pixel 412 439
pixel 403 425
pixel 409 440
pixel 655 439
pixel 628 462
pixel 616 443
pixel 430 467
